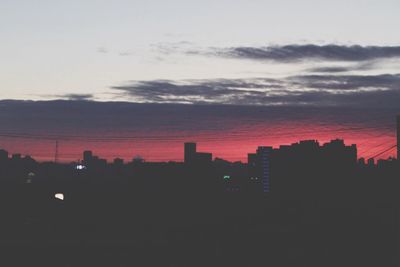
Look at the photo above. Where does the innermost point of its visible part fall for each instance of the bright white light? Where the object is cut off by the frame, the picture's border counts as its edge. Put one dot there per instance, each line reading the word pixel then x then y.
pixel 80 167
pixel 59 196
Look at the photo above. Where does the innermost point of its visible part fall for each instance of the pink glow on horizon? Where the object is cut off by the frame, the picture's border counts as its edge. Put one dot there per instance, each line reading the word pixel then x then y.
pixel 233 145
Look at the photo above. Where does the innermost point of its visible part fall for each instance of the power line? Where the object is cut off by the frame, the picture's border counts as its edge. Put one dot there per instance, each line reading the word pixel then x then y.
pixel 372 150
pixel 234 135
pixel 386 150
pixel 204 136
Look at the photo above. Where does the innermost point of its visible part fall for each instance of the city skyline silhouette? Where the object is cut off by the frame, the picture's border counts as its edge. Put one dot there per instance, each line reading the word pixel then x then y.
pixel 230 132
pixel 187 133
pixel 314 196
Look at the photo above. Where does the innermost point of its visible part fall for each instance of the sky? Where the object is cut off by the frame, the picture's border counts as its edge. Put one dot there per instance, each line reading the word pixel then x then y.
pixel 51 49
pixel 156 132
pixel 335 55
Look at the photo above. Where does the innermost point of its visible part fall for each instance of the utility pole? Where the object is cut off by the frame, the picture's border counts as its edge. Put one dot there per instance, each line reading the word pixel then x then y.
pixel 56 153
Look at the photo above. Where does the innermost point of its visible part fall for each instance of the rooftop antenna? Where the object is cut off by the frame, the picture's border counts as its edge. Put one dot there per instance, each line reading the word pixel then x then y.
pixel 56 153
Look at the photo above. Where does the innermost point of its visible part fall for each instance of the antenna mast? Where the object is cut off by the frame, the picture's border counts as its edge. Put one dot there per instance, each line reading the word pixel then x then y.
pixel 56 153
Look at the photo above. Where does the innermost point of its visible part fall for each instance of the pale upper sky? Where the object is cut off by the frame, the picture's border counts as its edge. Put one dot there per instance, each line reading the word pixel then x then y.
pixel 51 49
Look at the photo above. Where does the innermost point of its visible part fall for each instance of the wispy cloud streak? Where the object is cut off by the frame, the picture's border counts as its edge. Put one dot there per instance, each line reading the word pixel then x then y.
pixel 290 53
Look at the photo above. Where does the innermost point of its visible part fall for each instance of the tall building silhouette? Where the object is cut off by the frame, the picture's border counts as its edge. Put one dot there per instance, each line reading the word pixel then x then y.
pixel 190 152
pixel 87 156
pixel 194 157
pixel 259 167
pixel 89 159
pixel 264 157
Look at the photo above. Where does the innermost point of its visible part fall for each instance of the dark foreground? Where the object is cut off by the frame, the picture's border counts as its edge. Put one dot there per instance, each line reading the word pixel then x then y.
pixel 317 213
pixel 109 228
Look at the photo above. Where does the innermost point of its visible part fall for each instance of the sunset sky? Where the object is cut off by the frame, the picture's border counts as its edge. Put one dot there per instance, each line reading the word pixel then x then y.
pixel 230 75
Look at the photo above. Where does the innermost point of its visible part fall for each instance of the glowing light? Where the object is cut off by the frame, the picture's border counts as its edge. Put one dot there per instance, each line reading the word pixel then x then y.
pixel 59 196
pixel 80 167
pixel 227 177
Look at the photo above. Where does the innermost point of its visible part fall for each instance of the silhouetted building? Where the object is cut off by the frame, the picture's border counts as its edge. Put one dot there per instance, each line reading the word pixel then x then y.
pixel 3 155
pixel 253 173
pixel 264 155
pixel 92 161
pixel 101 162
pixel 87 156
pixel 336 151
pixel 190 152
pixel 138 160
pixel 202 157
pixel 371 162
pixel 259 168
pixel 252 159
pixel 118 161
pixel 193 157
pixel 16 157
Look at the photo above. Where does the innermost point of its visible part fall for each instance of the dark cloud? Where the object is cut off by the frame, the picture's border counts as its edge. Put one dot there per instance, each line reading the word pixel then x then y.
pixel 331 69
pixel 290 53
pixel 337 69
pixel 348 82
pixel 81 117
pixel 218 91
pixel 311 90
